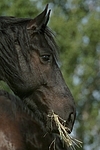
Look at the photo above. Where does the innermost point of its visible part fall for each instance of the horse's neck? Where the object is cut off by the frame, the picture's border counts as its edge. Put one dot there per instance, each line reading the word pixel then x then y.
pixel 34 127
pixel 32 108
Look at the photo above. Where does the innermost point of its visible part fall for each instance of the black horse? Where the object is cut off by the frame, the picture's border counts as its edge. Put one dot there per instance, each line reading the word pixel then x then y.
pixel 29 65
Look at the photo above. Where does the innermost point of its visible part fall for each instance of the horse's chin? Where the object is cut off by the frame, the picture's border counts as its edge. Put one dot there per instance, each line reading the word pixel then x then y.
pixel 56 131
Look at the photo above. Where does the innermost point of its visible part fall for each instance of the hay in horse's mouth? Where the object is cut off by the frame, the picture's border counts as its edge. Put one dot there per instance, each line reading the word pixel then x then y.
pixel 63 133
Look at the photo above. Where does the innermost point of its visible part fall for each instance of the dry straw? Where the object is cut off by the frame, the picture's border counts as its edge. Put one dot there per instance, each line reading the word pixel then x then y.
pixel 63 133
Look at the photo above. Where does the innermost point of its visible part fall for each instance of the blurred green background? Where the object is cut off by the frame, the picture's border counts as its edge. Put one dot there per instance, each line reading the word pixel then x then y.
pixel 76 24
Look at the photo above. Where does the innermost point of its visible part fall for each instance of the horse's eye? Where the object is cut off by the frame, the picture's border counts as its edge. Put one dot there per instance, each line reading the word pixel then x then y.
pixel 46 58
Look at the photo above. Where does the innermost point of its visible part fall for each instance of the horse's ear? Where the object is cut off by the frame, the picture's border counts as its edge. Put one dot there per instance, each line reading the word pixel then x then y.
pixel 40 21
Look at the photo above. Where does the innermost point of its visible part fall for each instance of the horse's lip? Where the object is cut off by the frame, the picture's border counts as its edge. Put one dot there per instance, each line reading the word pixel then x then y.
pixel 55 131
pixel 69 131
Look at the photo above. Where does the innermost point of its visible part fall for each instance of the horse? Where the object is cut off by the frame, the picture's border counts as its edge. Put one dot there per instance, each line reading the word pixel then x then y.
pixel 29 65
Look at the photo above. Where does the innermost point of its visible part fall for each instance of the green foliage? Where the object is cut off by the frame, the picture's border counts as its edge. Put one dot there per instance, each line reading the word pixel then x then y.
pixel 19 8
pixel 76 24
pixel 78 36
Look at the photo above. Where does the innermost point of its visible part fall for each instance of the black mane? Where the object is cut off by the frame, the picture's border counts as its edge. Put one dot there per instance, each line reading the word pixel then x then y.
pixel 16 28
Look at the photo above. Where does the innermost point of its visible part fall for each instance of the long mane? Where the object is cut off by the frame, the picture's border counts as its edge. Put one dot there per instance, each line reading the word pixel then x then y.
pixel 14 28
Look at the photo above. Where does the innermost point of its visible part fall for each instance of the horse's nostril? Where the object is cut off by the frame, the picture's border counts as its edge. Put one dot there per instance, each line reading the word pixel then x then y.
pixel 70 122
pixel 71 118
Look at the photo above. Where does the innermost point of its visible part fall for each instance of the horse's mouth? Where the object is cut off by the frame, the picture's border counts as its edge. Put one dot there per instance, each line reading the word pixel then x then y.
pixel 63 132
pixel 56 131
pixel 57 123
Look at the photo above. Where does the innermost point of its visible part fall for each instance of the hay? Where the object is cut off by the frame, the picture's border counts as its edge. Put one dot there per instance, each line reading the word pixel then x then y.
pixel 63 133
